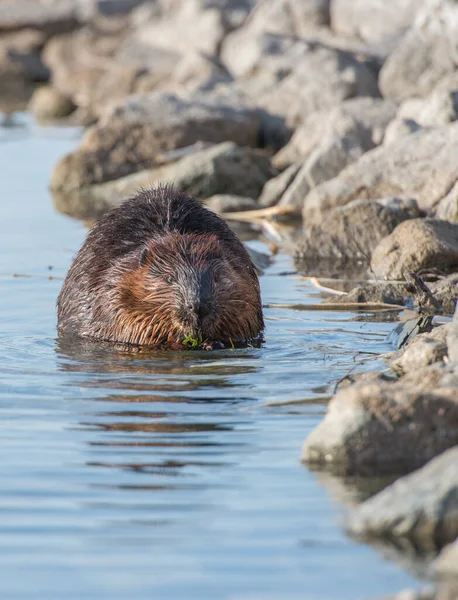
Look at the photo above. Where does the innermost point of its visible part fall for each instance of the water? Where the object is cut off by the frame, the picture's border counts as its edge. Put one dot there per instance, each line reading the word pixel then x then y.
pixel 169 475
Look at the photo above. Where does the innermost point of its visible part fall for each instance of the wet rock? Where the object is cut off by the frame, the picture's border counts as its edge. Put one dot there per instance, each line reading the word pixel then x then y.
pixel 370 293
pixel 352 232
pixel 112 7
pixel 422 505
pixel 399 128
pixel 445 291
pixel 221 169
pixel 425 349
pixel 447 561
pixel 384 427
pixel 222 203
pixel 47 103
pixel 49 17
pixel 277 186
pixel 431 243
pixel 425 55
pixel 354 127
pixel 130 136
pixel 420 165
pixel 372 20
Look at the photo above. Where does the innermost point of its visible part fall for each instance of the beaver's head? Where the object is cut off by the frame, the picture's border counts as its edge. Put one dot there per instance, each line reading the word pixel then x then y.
pixel 184 286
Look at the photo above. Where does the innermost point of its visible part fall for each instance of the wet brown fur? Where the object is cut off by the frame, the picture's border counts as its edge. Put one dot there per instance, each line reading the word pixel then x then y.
pixel 181 256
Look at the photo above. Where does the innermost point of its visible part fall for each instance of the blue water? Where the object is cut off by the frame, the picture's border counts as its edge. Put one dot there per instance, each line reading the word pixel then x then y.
pixel 169 475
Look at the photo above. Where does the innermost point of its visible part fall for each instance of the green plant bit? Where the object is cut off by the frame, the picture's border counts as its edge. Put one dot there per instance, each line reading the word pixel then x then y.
pixel 232 343
pixel 194 342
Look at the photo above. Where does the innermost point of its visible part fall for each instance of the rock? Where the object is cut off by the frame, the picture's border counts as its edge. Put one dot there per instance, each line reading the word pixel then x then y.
pixel 321 79
pixel 370 293
pixel 399 128
pixel 110 8
pixel 385 427
pixel 277 186
pixel 420 506
pixel 357 125
pixel 222 203
pixel 440 107
pixel 49 17
pixel 425 349
pixel 425 54
pixel 88 67
pixel 189 29
pixel 47 103
pixel 428 594
pixel 373 21
pixel 447 561
pixel 196 72
pixel 447 208
pixel 445 291
pixel 128 137
pixel 420 166
pixel 431 243
pixel 221 169
pixel 352 232
pixel 452 338
pixel 281 17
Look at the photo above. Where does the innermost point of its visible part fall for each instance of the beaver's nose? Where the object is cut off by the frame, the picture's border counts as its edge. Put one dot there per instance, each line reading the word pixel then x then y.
pixel 200 308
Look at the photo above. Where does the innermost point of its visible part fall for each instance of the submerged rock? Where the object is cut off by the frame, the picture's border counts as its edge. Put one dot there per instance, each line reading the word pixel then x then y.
pixel 388 427
pixel 414 245
pixel 373 293
pixel 421 506
pixel 420 166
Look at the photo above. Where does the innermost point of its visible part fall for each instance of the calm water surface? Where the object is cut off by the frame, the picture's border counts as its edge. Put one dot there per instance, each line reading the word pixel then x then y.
pixel 169 475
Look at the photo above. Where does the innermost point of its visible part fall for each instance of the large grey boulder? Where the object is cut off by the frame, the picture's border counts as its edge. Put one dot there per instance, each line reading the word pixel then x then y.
pixel 415 245
pixel 275 188
pixel 440 107
pixel 425 55
pixel 57 16
pixel 129 137
pixel 388 427
pixel 374 21
pixel 282 17
pixel 221 169
pixel 421 165
pixel 353 127
pixel 420 506
pixel 352 232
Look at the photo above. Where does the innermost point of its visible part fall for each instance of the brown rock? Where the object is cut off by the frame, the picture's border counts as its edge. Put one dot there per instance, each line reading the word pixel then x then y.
pixel 387 427
pixel 415 245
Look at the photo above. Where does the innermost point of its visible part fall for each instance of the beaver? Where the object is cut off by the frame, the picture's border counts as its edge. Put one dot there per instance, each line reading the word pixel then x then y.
pixel 162 270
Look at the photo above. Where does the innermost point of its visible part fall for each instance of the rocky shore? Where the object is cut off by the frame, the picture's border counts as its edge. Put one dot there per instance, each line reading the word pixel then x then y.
pixel 340 116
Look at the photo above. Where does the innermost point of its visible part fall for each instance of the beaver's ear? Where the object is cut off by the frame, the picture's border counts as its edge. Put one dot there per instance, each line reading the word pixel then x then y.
pixel 143 256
